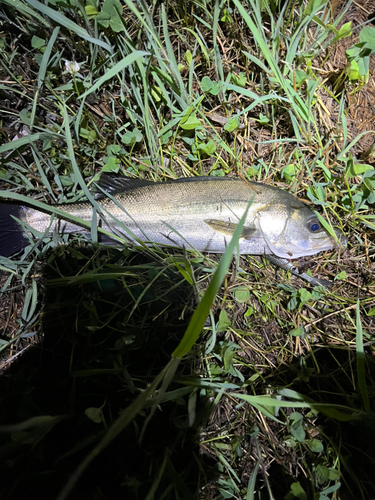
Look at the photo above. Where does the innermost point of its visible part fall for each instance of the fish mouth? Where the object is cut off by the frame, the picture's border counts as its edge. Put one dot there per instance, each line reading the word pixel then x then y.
pixel 328 242
pixel 340 242
pixel 290 251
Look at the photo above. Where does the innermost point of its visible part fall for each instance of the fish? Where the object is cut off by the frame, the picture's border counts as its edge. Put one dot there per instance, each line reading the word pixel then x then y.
pixel 198 213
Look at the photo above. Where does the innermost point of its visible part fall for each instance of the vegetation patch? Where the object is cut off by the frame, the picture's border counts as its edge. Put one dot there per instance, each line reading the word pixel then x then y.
pixel 165 373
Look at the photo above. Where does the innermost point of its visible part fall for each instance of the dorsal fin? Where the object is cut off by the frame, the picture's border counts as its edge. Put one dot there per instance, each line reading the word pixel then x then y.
pixel 203 178
pixel 294 203
pixel 114 184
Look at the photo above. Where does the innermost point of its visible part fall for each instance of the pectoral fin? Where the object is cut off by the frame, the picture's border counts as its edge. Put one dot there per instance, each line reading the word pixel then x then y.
pixel 228 228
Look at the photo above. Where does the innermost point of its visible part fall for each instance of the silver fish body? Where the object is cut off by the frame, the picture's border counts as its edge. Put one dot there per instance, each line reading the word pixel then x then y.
pixel 200 213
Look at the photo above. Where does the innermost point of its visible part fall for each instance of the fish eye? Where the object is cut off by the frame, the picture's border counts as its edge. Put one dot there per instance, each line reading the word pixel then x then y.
pixel 314 226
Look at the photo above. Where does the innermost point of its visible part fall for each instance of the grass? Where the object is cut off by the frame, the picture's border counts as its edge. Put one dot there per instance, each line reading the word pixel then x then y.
pixel 165 374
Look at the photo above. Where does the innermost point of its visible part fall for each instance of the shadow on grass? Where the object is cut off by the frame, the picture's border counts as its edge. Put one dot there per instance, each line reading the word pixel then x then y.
pixel 98 353
pixel 111 321
pixel 352 442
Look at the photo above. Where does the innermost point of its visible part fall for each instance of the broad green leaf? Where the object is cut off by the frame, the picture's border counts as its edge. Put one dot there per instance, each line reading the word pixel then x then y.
pixel 116 24
pixel 369 184
pixel 296 427
pixel 363 66
pixel 128 138
pixel 91 11
pixel 341 276
pixel 241 294
pixel 297 332
pixel 112 165
pixel 289 172
pixel 239 80
pixel 300 76
pixel 367 35
pixel 250 311
pixel 190 123
pixel 115 149
pixel 25 116
pixel 315 445
pixel 208 86
pixel 304 295
pixel 345 31
pixel 208 148
pixel 89 135
pixel 232 124
pixel 94 414
pixel 112 7
pixel 353 169
pixel 138 135
pixel 263 119
pixel 103 19
pixel 324 474
pixel 224 322
pixel 227 355
pixel 353 52
pixel 297 491
pixel 226 18
pixel 37 42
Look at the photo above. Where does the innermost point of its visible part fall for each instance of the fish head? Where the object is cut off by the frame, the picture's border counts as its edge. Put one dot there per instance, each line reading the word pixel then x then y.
pixel 292 230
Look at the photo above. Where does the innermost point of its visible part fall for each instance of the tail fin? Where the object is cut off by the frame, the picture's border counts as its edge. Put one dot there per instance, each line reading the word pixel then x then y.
pixel 12 236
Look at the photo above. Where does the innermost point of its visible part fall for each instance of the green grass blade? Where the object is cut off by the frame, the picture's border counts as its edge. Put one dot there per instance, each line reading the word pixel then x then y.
pixel 23 141
pixel 344 152
pixel 39 205
pixel 127 61
pixel 42 72
pixel 26 11
pixel 59 18
pixel 338 412
pixel 251 483
pixel 171 57
pixel 46 56
pixel 120 424
pixel 361 368
pixel 215 25
pixel 203 310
